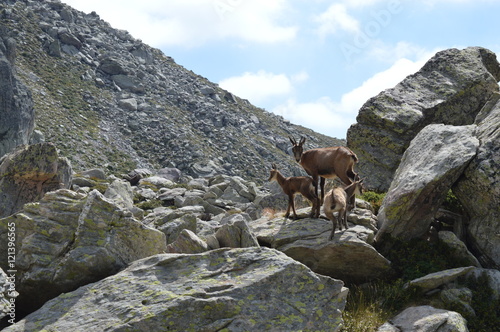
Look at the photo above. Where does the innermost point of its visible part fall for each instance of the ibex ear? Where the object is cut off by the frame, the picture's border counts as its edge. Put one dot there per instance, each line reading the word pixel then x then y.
pixel 302 140
pixel 274 166
pixel 294 142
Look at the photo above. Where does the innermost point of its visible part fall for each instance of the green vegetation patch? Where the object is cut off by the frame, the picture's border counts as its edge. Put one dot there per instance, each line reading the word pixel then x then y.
pixel 374 198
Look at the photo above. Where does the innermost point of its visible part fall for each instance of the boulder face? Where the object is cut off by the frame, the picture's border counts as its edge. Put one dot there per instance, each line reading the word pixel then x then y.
pixel 479 190
pixel 29 172
pixel 251 289
pixel 451 88
pixel 70 239
pixel 349 256
pixel 17 116
pixel 429 167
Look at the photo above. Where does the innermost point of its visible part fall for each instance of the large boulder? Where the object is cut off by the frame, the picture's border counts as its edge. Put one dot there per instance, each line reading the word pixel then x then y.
pixel 451 88
pixel 479 190
pixel 429 167
pixel 29 172
pixel 349 256
pixel 251 289
pixel 17 115
pixel 70 239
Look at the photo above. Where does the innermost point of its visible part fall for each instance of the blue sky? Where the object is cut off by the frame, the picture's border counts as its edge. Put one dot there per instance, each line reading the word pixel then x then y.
pixel 314 62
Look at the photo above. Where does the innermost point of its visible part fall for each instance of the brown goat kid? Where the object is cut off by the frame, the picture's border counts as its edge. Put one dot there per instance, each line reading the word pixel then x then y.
pixel 341 200
pixel 325 163
pixel 293 185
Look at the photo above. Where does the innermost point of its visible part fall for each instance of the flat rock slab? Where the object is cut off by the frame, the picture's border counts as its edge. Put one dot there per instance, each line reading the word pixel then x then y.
pixel 251 289
pixel 347 256
pixel 435 280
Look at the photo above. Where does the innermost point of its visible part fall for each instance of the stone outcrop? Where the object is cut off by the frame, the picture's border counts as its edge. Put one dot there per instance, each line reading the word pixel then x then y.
pixel 349 256
pixel 254 289
pixel 451 88
pixel 70 239
pixel 479 190
pixel 434 160
pixel 16 106
pixel 29 172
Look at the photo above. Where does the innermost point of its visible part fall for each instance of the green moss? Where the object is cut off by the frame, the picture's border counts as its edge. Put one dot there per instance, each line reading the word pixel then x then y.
pixel 150 204
pixel 374 198
pixel 452 203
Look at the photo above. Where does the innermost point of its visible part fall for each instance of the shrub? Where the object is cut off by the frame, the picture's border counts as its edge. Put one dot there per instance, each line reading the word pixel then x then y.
pixel 486 307
pixel 375 199
pixel 371 305
pixel 417 258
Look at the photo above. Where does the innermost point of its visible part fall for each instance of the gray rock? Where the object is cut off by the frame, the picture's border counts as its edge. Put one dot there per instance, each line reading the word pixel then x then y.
pixel 236 234
pixel 173 228
pixel 69 239
pixel 96 173
pixel 170 173
pixel 451 88
pixel 157 181
pixel 70 39
pixel 426 319
pixel 29 172
pixel 129 83
pixel 121 193
pixel 112 66
pixel 478 190
pixel 348 256
pixel 437 279
pixel 129 104
pixel 434 160
pixel 252 289
pixel 187 243
pixel 459 249
pixel 17 111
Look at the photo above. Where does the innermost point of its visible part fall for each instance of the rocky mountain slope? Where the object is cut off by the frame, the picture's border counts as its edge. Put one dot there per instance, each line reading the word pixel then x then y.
pixel 107 99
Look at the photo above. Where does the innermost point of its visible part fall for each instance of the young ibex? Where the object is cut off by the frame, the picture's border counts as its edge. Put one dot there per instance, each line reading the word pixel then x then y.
pixel 325 163
pixel 293 185
pixel 341 200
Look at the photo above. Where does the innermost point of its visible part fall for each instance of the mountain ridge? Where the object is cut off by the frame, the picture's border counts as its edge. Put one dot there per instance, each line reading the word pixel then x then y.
pixel 108 100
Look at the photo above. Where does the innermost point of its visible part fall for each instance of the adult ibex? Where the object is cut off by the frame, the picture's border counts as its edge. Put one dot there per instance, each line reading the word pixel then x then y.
pixel 341 200
pixel 325 163
pixel 293 185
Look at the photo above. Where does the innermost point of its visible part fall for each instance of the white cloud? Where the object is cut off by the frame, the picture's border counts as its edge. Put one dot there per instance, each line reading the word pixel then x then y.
pixel 257 87
pixel 333 118
pixel 336 18
pixel 194 22
pixel 389 53
pixel 322 115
